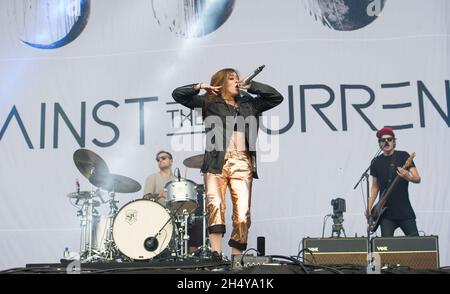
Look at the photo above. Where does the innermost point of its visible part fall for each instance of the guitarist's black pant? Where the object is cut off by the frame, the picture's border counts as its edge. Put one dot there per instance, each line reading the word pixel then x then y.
pixel 408 227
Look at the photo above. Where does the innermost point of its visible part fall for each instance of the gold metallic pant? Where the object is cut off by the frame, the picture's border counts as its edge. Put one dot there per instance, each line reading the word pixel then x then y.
pixel 237 175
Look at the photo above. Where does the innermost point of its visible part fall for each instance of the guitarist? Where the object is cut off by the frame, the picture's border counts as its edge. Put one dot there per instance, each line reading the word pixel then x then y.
pixel 383 170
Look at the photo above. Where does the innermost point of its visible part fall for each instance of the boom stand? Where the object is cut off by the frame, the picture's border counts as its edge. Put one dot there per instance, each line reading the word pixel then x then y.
pixel 373 261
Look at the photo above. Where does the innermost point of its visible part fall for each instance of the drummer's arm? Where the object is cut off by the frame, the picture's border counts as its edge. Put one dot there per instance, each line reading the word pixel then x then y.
pixel 149 196
pixel 154 196
pixel 149 189
pixel 159 196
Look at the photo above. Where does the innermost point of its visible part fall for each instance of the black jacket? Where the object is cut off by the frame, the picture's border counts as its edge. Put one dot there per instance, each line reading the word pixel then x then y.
pixel 217 110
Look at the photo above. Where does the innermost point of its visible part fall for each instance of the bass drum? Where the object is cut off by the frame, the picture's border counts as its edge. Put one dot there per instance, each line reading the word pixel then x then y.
pixel 135 226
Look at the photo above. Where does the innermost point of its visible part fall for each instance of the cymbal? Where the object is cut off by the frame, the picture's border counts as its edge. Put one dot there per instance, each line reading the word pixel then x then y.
pixel 195 161
pixel 89 163
pixel 83 195
pixel 80 195
pixel 116 183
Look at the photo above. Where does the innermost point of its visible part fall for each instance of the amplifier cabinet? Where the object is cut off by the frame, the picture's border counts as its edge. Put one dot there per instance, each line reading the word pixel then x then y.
pixel 415 252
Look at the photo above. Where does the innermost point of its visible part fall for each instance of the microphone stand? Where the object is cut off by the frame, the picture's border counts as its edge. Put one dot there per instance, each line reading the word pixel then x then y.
pixel 365 175
pixel 178 174
pixel 153 240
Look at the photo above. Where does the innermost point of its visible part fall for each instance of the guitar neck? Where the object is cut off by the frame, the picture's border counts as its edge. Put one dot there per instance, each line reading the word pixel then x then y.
pixel 387 193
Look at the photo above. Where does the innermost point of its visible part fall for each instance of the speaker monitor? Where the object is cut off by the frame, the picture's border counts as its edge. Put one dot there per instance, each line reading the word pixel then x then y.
pixel 415 252
pixel 335 251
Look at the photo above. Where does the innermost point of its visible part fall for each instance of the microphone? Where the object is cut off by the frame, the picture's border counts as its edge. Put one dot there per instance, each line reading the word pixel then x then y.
pixel 250 77
pixel 151 243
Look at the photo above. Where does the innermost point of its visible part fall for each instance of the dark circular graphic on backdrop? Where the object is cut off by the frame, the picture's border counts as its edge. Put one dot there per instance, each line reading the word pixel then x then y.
pixel 345 15
pixel 47 24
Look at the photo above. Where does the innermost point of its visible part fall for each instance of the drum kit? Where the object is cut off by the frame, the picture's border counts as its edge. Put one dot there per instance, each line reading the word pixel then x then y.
pixel 142 229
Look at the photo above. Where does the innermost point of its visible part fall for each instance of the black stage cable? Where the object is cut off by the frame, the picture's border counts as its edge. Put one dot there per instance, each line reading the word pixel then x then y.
pixel 245 253
pixel 320 266
pixel 324 267
pixel 310 252
pixel 156 268
pixel 62 269
pixel 293 260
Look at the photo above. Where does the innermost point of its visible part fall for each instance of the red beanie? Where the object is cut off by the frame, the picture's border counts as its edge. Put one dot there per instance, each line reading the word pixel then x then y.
pixel 385 131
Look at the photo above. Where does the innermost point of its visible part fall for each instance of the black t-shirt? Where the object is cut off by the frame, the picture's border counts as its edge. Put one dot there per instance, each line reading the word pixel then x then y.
pixel 398 204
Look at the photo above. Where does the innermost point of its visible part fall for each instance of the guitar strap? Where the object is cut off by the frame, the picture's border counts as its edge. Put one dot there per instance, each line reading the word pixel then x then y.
pixel 392 169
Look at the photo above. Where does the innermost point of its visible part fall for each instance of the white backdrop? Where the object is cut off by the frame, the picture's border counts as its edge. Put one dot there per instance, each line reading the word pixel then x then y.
pixel 130 50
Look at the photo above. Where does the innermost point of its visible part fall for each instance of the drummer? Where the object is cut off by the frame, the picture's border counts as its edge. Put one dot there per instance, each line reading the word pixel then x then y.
pixel 154 184
pixel 154 190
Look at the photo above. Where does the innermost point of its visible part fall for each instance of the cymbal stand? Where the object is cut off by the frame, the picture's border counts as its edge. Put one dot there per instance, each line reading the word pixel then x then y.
pixel 182 248
pixel 109 251
pixel 83 223
pixel 110 248
pixel 184 235
pixel 87 227
pixel 205 249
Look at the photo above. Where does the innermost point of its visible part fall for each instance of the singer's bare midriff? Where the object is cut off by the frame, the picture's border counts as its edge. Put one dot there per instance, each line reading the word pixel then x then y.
pixel 237 142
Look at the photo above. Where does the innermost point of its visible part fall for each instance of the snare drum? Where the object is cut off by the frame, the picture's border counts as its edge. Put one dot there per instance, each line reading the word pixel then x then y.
pixel 137 223
pixel 181 194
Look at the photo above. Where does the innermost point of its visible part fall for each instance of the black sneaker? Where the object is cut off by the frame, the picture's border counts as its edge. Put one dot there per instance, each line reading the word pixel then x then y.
pixel 216 256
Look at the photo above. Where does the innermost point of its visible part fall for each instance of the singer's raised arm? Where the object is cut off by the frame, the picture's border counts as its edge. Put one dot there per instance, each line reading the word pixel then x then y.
pixel 267 96
pixel 188 96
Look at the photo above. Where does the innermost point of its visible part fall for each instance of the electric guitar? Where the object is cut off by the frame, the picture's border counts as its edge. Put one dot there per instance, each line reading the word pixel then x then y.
pixel 378 210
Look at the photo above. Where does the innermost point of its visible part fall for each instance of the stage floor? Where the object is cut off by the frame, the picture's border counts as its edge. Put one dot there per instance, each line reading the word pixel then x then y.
pixel 204 266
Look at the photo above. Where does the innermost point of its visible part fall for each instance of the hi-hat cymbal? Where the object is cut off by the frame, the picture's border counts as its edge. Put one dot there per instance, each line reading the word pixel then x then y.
pixel 80 195
pixel 195 161
pixel 83 195
pixel 115 183
pixel 89 163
